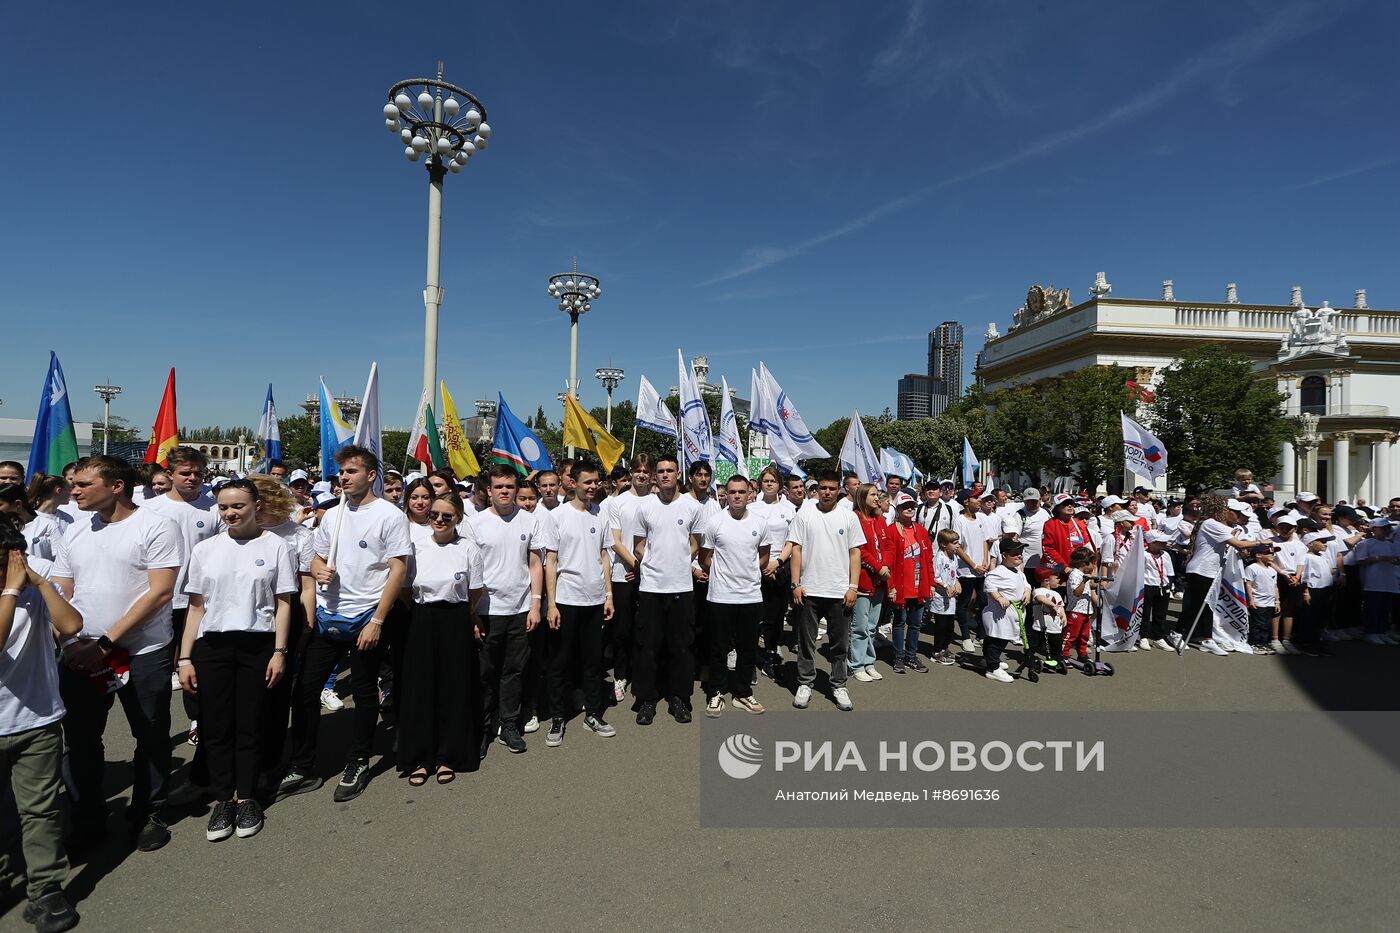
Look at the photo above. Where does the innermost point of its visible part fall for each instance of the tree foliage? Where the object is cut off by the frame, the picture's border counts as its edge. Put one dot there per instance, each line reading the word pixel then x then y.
pixel 1084 410
pixel 301 441
pixel 1215 415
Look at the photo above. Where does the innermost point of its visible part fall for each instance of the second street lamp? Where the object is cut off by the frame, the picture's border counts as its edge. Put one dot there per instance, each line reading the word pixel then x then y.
pixel 576 293
pixel 107 392
pixel 611 377
pixel 447 125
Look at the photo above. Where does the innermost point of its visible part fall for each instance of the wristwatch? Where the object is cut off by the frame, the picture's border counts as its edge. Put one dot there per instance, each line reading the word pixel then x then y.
pixel 105 643
pixel 279 650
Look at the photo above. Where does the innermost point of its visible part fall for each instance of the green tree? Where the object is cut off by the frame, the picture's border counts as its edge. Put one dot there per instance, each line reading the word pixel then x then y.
pixel 301 441
pixel 395 447
pixel 1215 415
pixel 1085 408
pixel 215 433
pixel 122 430
pixel 1014 429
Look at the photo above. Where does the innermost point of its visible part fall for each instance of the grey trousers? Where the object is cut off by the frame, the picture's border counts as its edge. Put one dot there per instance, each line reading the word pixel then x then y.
pixel 29 761
pixel 832 610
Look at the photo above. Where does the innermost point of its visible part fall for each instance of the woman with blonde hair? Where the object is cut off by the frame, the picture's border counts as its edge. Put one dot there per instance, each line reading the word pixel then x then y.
pixel 875 568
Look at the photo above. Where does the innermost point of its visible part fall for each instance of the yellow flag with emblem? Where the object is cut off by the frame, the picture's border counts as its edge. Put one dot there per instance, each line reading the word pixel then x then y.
pixel 459 453
pixel 583 430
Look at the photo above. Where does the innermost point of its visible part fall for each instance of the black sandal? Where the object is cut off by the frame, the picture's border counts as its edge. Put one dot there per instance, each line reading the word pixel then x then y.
pixel 418 778
pixel 446 776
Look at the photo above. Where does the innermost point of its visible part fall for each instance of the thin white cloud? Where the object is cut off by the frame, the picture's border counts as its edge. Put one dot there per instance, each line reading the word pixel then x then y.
pixel 1285 26
pixel 1348 172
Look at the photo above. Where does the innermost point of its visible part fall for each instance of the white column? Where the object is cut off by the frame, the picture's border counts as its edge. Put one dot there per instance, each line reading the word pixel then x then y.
pixel 1288 473
pixel 1341 467
pixel 1381 451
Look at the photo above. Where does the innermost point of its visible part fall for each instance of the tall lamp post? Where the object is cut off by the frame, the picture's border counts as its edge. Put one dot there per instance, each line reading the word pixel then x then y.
pixel 447 125
pixel 611 377
pixel 107 392
pixel 576 293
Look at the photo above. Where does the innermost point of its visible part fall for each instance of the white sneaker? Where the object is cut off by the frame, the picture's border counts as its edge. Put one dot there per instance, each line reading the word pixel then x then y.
pixel 1145 644
pixel 1288 647
pixel 803 697
pixel 874 674
pixel 732 660
pixel 531 725
pixel 1278 647
pixel 885 631
pixel 331 700
pixel 1210 645
pixel 1174 639
pixel 174 682
pixel 1133 646
pixel 821 631
pixel 1161 643
pixel 1005 666
pixel 619 688
pixel 843 699
pixel 862 676
pixel 969 645
pixel 1000 676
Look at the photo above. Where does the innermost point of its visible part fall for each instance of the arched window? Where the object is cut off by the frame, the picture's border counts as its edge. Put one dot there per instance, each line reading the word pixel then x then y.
pixel 1312 398
pixel 204 450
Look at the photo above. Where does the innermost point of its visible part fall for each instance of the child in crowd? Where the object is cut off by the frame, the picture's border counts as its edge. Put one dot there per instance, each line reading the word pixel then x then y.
pixel 1007 595
pixel 1047 631
pixel 1319 575
pixel 1079 617
pixel 946 589
pixel 1261 593
pixel 1157 590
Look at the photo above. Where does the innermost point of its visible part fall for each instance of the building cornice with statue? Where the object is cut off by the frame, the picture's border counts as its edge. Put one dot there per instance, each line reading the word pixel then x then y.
pixel 1338 367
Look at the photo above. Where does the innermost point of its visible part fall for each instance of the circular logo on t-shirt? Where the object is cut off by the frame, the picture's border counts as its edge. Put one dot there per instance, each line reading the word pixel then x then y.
pixel 592 529
pixel 199 524
pixel 840 531
pixel 259 562
pixel 529 449
pixel 364 544
pixel 458 575
pixel 680 521
pixel 754 533
pixel 522 537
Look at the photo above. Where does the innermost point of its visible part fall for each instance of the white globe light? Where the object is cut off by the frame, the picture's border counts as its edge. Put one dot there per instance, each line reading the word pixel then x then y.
pixel 597 292
pixel 391 112
pixel 454 167
pixel 406 135
pixel 564 305
pixel 391 125
pixel 472 117
pixel 444 145
pixel 479 141
pixel 450 106
pixel 551 289
pixel 468 148
pixel 419 144
pixel 410 153
pixel 425 101
pixel 403 102
pixel 484 131
pixel 570 284
pixel 587 306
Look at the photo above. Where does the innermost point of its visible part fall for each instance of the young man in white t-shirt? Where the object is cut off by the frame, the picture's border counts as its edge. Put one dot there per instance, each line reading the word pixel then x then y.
pixel 665 540
pixel 578 578
pixel 117 564
pixel 621 513
pixel 362 548
pixel 826 544
pixel 734 550
pixel 777 581
pixel 192 507
pixel 32 613
pixel 510 540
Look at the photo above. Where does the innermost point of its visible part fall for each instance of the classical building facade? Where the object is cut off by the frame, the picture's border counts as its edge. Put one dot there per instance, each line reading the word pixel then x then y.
pixel 1340 368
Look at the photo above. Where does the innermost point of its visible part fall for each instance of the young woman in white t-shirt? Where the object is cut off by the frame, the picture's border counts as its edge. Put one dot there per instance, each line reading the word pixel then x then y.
pixel 440 684
pixel 417 499
pixel 234 649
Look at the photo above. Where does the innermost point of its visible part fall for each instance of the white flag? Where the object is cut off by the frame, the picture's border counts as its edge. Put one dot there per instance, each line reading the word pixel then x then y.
pixel 1228 606
pixel 697 440
pixel 858 455
pixel 781 416
pixel 368 431
pixel 1121 618
pixel 894 463
pixel 728 444
pixel 1143 454
pixel 652 413
pixel 420 427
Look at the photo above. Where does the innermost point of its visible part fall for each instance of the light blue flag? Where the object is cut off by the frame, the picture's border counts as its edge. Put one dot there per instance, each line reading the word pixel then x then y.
pixel 336 432
pixel 970 464
pixel 269 433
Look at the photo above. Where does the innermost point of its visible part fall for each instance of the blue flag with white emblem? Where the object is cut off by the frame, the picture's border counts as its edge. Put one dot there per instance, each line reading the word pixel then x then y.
pixel 516 444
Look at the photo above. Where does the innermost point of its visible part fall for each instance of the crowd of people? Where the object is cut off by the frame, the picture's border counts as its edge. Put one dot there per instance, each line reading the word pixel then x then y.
pixel 466 615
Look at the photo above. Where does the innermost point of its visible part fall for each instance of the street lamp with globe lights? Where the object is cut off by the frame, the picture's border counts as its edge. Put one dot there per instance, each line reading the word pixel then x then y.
pixel 446 125
pixel 107 393
pixel 611 377
pixel 576 293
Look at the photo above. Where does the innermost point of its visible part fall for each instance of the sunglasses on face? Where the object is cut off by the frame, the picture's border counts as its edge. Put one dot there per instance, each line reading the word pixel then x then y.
pixel 443 516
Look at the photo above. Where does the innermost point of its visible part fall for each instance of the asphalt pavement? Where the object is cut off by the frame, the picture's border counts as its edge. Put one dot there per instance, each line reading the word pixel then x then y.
pixel 603 834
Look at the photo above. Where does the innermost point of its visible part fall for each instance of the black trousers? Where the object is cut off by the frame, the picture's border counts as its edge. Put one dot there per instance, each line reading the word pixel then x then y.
pixel 737 626
pixel 439 689
pixel 702 623
pixel 503 660
pixel 231 670
pixel 277 704
pixel 624 621
pixel 321 655
pixel 1193 601
pixel 943 629
pixel 663 646
pixel 1154 611
pixel 145 700
pixel 534 683
pixel 971 601
pixel 777 597
pixel 1316 613
pixel 576 660
pixel 177 622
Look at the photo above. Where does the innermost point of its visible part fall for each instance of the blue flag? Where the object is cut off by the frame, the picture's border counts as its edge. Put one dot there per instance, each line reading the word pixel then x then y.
pixel 516 444
pixel 336 432
pixel 970 464
pixel 268 431
pixel 55 442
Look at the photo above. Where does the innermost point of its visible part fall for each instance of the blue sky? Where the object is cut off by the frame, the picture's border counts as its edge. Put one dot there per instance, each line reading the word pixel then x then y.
pixel 813 184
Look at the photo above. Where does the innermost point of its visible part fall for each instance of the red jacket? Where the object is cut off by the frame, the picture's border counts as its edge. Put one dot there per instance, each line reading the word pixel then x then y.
pixel 895 546
pixel 874 553
pixel 1055 541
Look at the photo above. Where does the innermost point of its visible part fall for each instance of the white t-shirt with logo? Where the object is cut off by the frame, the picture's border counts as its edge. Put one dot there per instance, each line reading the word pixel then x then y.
pixel 826 539
pixel 506 543
pixel 301 541
pixel 1263 583
pixel 29 697
pixel 1047 618
pixel 240 580
pixel 580 537
pixel 41 536
pixel 734 570
pixel 667 528
pixel 945 573
pixel 108 561
pixel 198 520
pixel 777 519
pixel 369 537
pixel 621 513
pixel 444 573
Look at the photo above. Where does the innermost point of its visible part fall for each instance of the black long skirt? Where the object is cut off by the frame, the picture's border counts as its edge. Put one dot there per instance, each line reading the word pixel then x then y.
pixel 440 690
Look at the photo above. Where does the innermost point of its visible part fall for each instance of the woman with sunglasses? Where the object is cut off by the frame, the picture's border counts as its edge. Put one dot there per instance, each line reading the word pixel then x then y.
pixel 440 693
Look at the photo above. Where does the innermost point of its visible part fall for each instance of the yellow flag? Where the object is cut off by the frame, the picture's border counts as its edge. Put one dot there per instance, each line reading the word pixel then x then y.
pixel 583 430
pixel 459 452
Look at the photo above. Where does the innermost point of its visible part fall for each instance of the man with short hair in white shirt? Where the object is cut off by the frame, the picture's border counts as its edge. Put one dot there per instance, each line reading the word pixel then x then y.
pixel 117 564
pixel 1027 523
pixel 826 544
pixel 734 550
pixel 578 577
pixel 621 513
pixel 362 548
pixel 937 508
pixel 510 540
pixel 665 540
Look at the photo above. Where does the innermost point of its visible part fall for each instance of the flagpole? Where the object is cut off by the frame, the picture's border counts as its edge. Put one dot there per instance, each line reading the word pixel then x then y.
pixel 633 452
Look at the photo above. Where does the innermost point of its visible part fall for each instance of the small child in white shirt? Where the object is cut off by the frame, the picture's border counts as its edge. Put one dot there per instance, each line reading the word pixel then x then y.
pixel 1046 635
pixel 1261 593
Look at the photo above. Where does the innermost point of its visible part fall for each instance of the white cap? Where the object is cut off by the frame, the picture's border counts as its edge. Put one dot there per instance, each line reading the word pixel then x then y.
pixel 323 500
pixel 988 494
pixel 1287 518
pixel 411 477
pixel 1158 537
pixel 1237 506
pixel 296 475
pixel 1315 536
pixel 1081 507
pixel 1030 492
pixel 903 499
pixel 322 486
pixel 1306 497
pixel 1122 515
pixel 1109 502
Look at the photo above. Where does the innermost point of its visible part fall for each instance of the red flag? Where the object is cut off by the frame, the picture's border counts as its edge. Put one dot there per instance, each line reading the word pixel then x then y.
pixel 1140 393
pixel 165 436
